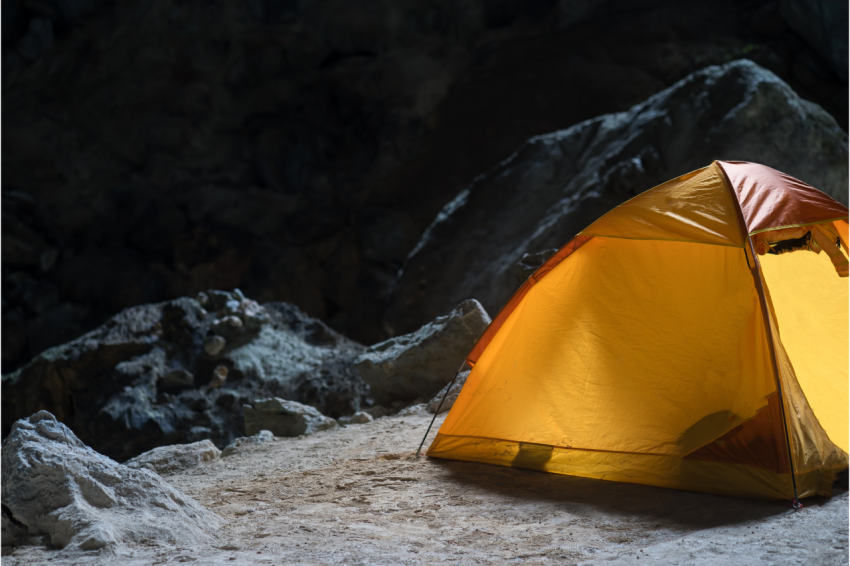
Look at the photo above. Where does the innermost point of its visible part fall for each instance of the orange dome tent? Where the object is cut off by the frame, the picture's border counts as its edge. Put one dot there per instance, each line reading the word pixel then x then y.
pixel 690 338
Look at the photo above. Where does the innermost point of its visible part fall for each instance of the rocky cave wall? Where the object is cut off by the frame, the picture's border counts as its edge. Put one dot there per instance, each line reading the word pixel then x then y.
pixel 298 149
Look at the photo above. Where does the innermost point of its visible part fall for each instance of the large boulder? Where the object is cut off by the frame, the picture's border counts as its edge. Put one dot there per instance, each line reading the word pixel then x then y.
pixel 167 460
pixel 149 376
pixel 406 367
pixel 284 418
pixel 557 184
pixel 823 24
pixel 54 485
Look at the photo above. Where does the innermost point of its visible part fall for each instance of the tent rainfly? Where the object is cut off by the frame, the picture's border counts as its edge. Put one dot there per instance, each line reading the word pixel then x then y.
pixel 695 337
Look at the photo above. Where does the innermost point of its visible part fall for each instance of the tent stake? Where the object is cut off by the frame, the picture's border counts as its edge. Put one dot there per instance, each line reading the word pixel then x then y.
pixel 440 406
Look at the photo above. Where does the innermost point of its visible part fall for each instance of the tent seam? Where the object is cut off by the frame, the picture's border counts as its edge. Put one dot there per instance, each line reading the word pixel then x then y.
pixel 683 457
pixel 758 284
pixel 659 240
pixel 753 233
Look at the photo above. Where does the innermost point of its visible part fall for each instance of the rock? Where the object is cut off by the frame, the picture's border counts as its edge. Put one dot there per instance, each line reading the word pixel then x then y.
pixel 234 447
pixel 252 315
pixel 167 460
pixel 378 411
pixel 407 367
pixel 215 300
pixel 557 184
pixel 284 418
pixel 823 24
pixel 360 417
pixel 213 345
pixel 413 410
pixel 447 396
pixel 529 263
pixel 243 442
pixel 219 377
pixel 13 532
pixel 302 359
pixel 146 379
pixel 228 326
pixel 56 486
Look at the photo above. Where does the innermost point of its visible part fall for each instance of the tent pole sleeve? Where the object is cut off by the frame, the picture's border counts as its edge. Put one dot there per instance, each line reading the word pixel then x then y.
pixel 760 288
pixel 440 406
pixel 755 270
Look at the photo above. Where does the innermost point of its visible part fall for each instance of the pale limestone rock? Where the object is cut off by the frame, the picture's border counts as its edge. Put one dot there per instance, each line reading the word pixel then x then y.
pixel 55 485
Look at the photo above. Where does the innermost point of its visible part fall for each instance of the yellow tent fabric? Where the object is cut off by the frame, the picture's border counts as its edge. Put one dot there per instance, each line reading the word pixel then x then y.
pixel 687 209
pixel 646 355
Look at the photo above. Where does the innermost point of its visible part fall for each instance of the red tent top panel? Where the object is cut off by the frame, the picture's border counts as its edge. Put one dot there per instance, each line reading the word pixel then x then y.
pixel 771 199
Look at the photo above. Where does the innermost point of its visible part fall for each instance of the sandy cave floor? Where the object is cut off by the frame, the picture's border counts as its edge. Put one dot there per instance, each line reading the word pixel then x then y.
pixel 358 496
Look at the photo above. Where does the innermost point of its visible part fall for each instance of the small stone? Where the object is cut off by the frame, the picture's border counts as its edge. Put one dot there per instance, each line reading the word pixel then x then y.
pixel 202 299
pixel 167 460
pixel 217 299
pixel 219 376
pixel 265 435
pixel 253 314
pixel 231 307
pixel 285 418
pixel 213 345
pixel 260 438
pixel 360 417
pixel 414 409
pixel 237 293
pixel 227 326
pixel 378 411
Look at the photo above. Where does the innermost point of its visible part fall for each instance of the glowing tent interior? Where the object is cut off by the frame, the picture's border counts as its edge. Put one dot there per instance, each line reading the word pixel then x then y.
pixel 690 338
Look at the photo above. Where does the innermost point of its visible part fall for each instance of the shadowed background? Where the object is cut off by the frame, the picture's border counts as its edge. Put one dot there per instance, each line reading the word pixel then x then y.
pixel 298 149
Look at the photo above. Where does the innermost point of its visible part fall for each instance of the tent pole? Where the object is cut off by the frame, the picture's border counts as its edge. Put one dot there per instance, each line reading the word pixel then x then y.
pixel 440 406
pixel 760 288
pixel 755 270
